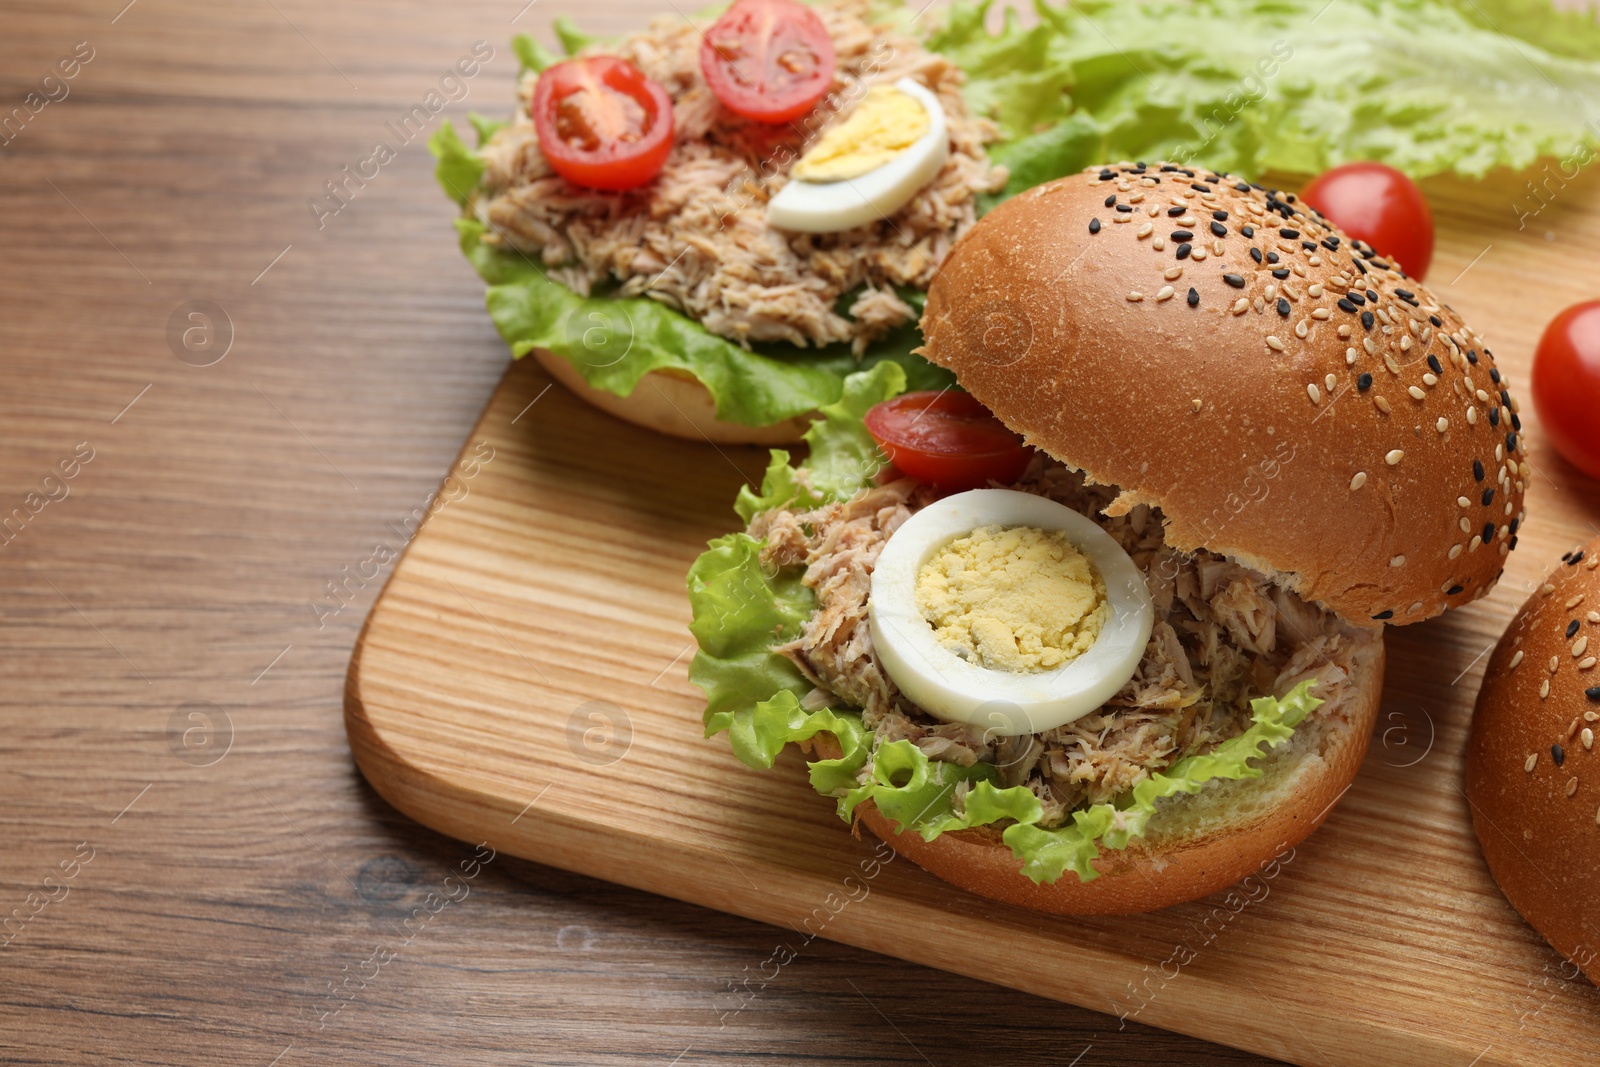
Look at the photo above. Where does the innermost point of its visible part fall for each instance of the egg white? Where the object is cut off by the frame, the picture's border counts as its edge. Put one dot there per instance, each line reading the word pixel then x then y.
pixel 829 207
pixel 1007 703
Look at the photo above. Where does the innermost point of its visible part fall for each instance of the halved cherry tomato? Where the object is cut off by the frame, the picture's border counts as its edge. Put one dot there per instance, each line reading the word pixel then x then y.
pixel 1566 385
pixel 947 438
pixel 602 123
pixel 768 60
pixel 1379 205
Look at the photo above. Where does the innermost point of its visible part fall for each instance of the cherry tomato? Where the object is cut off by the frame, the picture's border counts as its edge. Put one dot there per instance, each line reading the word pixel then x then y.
pixel 947 438
pixel 1566 385
pixel 1379 205
pixel 768 60
pixel 602 123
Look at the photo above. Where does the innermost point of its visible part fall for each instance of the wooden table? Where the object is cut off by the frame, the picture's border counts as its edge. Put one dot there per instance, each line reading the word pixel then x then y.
pixel 241 868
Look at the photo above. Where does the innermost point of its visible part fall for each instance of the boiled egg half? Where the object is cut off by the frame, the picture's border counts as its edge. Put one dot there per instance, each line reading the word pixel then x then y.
pixel 1008 611
pixel 867 167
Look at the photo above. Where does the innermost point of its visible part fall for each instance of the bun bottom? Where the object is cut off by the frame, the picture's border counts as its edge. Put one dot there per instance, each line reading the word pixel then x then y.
pixel 1195 845
pixel 672 402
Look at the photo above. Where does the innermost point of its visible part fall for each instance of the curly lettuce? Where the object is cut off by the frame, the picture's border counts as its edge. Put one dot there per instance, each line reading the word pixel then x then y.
pixel 742 609
pixel 1245 86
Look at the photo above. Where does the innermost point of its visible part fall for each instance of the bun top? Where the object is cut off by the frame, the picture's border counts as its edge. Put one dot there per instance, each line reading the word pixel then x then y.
pixel 1533 771
pixel 1221 351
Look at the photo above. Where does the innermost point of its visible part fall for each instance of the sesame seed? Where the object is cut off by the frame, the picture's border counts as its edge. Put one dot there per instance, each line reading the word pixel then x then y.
pixel 1472 416
pixel 1219 229
pixel 1184 250
pixel 1416 393
pixel 1181 235
pixel 1455 550
pixel 1572 629
pixel 1172 274
pixel 1135 296
pixel 1164 294
pixel 1240 306
pixel 1443 425
pixel 1533 760
pixel 1273 343
pixel 1094 225
pixel 1579 646
pixel 1146 230
pixel 1358 481
pixel 1384 615
pixel 1393 456
pixel 1235 280
pixel 1586 662
pixel 1488 497
pixel 1194 297
pixel 1382 404
pixel 1331 382
pixel 1159 244
pixel 1587 737
pixel 1572 786
pixel 1477 470
pixel 1593 693
pixel 1255 254
pixel 1314 393
pixel 1199 254
pixel 1516 659
pixel 1544 692
pixel 1283 305
pixel 1397 561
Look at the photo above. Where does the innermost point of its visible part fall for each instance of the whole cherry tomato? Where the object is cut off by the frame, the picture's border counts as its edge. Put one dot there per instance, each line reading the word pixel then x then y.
pixel 602 123
pixel 948 439
pixel 768 60
pixel 1566 385
pixel 1379 205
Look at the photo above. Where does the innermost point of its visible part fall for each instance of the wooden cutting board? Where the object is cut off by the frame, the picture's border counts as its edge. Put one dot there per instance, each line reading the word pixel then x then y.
pixel 522 681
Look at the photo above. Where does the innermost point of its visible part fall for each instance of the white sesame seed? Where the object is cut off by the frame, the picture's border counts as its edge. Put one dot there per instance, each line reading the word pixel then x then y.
pixel 1301 329
pixel 1405 343
pixel 1442 425
pixel 1463 502
pixel 1544 689
pixel 1315 289
pixel 1586 662
pixel 1466 525
pixel 1198 255
pixel 1187 220
pixel 1572 786
pixel 1533 761
pixel 1417 393
pixel 1483 397
pixel 1516 659
pixel 1196 404
pixel 1147 229
pixel 1587 737
pixel 1313 392
pixel 1593 616
pixel 1574 601
pixel 1135 296
pixel 1579 645
pixel 1321 314
pixel 1477 540
pixel 1397 561
pixel 1555 664
pixel 1172 274
pixel 1272 292
pixel 1164 294
pixel 1455 550
pixel 1366 342
pixel 1344 331
pixel 1358 481
pixel 1274 344
pixel 1472 416
pixel 1393 456
pixel 1241 305
pixel 1331 382
pixel 1349 357
pixel 1121 217
pixel 1159 244
pixel 1382 404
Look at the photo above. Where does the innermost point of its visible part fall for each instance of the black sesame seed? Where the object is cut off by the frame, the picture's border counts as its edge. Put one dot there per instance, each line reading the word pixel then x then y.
pixel 1488 497
pixel 1511 442
pixel 1572 629
pixel 1111 200
pixel 1288 234
pixel 1235 280
pixel 1220 216
pixel 1494 375
pixel 1453 590
pixel 1362 267
pixel 1356 298
pixel 1593 693
pixel 1219 229
pixel 1248 231
pixel 1194 297
pixel 1309 246
pixel 1577 558
pixel 1367 320
pixel 1477 469
pixel 1364 382
pixel 1505 397
pixel 1434 365
pixel 1384 615
pixel 1372 295
pixel 1272 257
pixel 1106 175
pixel 1182 235
pixel 1184 250
pixel 1255 254
pixel 1167 167
pixel 1516 421
pixel 1513 526
pixel 1488 532
pixel 1243 187
pixel 1511 545
pixel 1380 264
pixel 1558 755
pixel 1125 208
pixel 1281 272
pixel 1437 322
pixel 1174 212
pixel 1472 357
pixel 1404 294
pixel 1494 416
pixel 1094 225
pixel 1330 243
pixel 1345 305
pixel 1197 187
pixel 1283 307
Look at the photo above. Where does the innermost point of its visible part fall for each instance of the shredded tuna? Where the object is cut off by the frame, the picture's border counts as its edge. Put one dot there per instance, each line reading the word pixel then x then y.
pixel 1223 635
pixel 697 237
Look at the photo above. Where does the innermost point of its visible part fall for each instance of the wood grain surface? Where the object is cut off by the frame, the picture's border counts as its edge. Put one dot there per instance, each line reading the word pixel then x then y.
pixel 248 896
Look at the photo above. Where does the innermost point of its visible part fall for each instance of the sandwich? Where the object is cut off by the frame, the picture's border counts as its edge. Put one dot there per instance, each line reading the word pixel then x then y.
pixel 1101 629
pixel 704 226
pixel 1533 775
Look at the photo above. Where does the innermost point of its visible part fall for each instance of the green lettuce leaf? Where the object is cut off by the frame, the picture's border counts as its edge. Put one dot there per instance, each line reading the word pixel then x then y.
pixel 458 169
pixel 531 55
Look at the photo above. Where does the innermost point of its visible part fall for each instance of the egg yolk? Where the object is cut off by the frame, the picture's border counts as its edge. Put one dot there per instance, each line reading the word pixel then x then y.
pixel 884 124
pixel 1019 599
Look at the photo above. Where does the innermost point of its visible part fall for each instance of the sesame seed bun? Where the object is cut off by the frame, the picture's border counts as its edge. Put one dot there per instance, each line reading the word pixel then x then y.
pixel 672 402
pixel 1533 774
pixel 1338 427
pixel 1195 845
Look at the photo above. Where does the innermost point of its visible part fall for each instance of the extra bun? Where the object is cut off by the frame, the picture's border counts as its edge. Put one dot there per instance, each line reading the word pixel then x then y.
pixel 1533 774
pixel 1357 449
pixel 1195 845
pixel 672 402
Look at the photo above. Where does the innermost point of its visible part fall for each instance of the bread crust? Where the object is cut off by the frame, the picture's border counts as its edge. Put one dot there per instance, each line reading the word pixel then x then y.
pixel 1161 869
pixel 1145 371
pixel 1542 842
pixel 672 402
